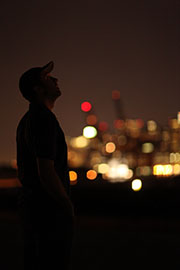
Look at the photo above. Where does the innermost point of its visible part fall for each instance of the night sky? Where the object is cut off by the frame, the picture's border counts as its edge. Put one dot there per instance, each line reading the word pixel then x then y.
pixel 97 46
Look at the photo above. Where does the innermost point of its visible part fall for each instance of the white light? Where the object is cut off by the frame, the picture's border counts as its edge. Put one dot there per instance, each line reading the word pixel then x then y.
pixel 122 170
pixel 89 132
pixel 136 184
pixel 118 172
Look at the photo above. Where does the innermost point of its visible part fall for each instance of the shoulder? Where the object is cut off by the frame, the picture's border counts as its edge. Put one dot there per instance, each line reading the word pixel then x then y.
pixel 40 116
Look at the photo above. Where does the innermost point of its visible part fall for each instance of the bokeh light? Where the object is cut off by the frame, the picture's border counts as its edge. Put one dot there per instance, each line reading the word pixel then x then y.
pixel 123 170
pixel 118 172
pixel 176 169
pixel 174 123
pixel 89 132
pixel 147 148
pixel 75 159
pixel 103 126
pixel 72 176
pixel 103 168
pixel 119 124
pixel 86 106
pixel 178 118
pixel 136 184
pixel 79 142
pixel 140 123
pixel 122 140
pixel 110 147
pixel 174 157
pixel 91 119
pixel 115 94
pixel 91 174
pixel 144 171
pixel 129 174
pixel 151 125
pixel 163 170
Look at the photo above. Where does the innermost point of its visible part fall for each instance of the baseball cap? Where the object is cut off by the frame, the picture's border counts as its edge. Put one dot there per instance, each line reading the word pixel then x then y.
pixel 31 78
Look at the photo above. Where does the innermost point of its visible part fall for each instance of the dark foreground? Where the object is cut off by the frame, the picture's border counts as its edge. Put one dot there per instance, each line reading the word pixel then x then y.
pixel 105 243
pixel 115 229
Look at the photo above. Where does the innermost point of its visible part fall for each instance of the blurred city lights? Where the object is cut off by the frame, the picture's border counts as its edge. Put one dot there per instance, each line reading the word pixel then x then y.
pixel 72 176
pixel 174 157
pixel 174 123
pixel 178 118
pixel 118 124
pixel 110 147
pixel 122 140
pixel 136 184
pixel 103 126
pixel 147 151
pixel 129 175
pixel 75 159
pixel 163 170
pixel 118 172
pixel 103 168
pixel 147 148
pixel 91 174
pixel 89 132
pixel 123 170
pixel 115 94
pixel 165 136
pixel 86 106
pixel 176 169
pixel 151 125
pixel 140 123
pixel 91 119
pixel 79 142
pixel 143 171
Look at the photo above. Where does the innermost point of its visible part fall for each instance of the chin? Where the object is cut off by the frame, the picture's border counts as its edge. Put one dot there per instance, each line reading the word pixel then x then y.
pixel 59 93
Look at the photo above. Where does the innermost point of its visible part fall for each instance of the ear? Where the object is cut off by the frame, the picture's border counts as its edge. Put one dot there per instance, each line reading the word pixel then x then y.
pixel 38 90
pixel 47 69
pixel 35 88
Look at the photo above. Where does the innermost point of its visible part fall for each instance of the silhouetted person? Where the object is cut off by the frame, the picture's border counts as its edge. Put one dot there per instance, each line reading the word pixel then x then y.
pixel 45 205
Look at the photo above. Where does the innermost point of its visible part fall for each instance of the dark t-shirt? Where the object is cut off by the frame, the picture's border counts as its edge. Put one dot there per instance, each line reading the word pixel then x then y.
pixel 40 135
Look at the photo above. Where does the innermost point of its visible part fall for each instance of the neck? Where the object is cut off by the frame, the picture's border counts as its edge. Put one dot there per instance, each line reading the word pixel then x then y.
pixel 49 104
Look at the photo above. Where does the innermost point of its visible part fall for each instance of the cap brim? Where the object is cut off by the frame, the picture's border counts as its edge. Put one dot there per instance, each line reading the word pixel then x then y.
pixel 47 68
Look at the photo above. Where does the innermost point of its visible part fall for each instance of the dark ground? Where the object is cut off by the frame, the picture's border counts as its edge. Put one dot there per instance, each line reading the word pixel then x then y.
pixel 105 243
pixel 118 230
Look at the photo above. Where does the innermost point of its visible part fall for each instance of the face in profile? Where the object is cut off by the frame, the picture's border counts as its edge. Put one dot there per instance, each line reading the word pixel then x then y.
pixel 49 85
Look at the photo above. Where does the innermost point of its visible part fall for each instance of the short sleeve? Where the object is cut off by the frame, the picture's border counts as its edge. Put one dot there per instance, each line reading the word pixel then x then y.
pixel 45 138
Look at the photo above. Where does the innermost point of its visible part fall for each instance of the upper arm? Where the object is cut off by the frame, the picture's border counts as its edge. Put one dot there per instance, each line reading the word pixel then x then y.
pixel 44 166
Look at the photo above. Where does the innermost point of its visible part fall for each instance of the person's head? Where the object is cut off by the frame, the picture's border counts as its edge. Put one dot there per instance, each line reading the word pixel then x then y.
pixel 36 84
